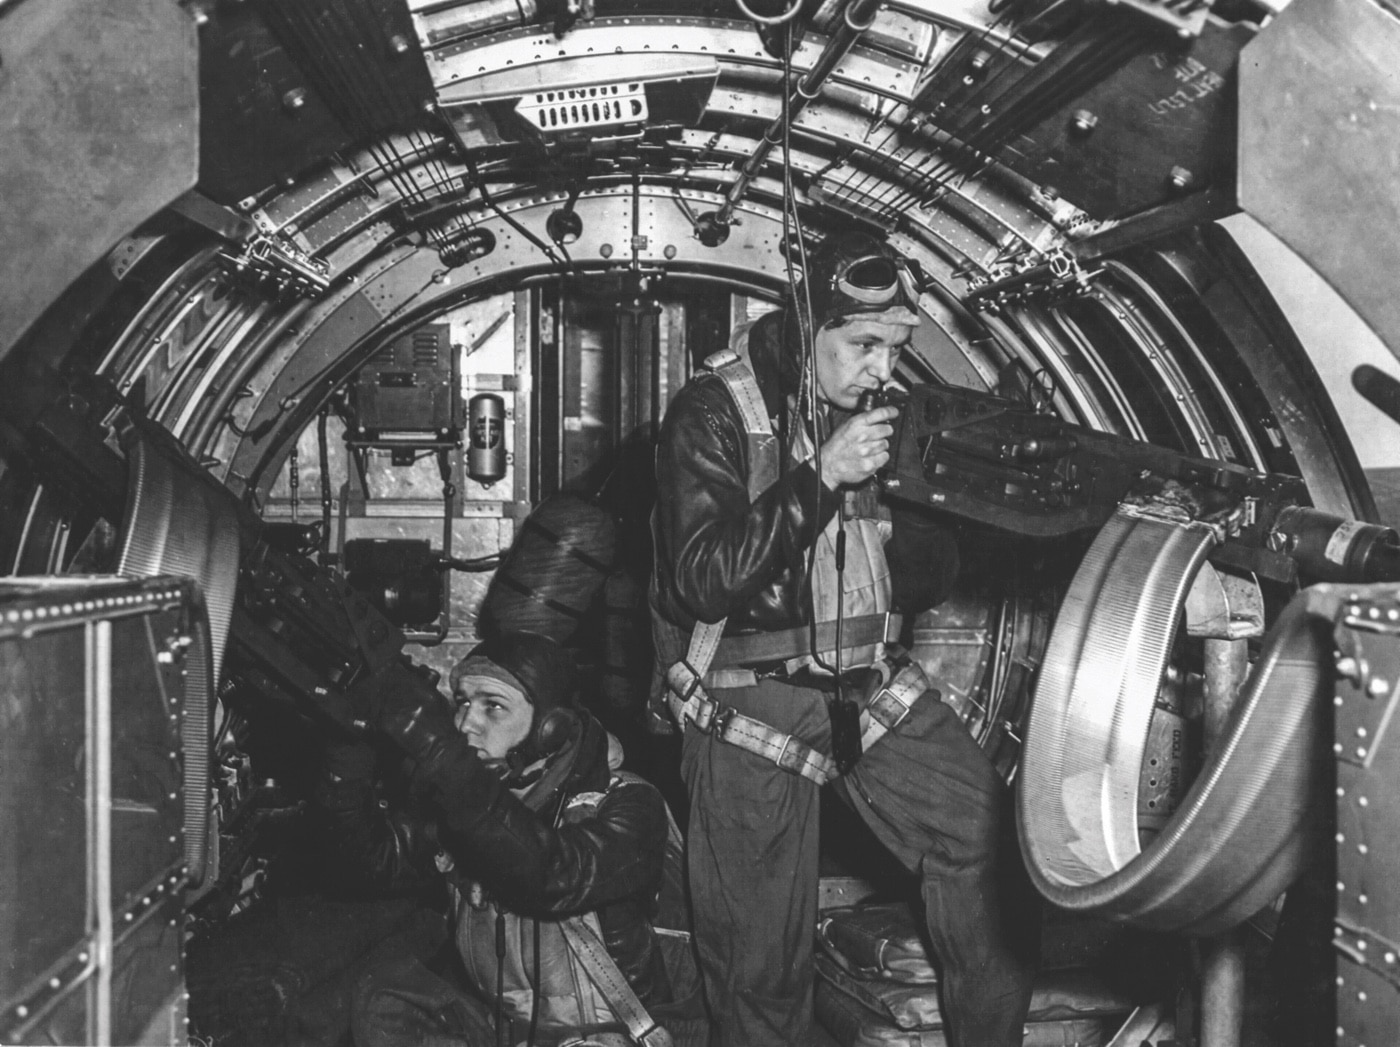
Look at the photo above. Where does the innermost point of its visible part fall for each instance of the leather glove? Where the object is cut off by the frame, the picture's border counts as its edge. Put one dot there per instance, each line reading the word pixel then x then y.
pixel 405 708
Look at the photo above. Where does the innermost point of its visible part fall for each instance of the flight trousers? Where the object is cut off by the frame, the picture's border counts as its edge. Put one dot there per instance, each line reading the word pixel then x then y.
pixel 930 796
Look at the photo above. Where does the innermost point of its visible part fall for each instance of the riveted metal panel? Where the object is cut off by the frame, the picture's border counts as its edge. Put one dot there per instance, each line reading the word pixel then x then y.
pixel 734 43
pixel 1367 748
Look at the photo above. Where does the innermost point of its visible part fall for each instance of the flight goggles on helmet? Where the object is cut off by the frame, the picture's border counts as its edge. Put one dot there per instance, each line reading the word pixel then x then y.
pixel 875 284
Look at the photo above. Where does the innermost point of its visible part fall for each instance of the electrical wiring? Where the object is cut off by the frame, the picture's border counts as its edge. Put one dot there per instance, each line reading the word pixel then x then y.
pixel 475 175
pixel 855 183
pixel 357 97
pixel 1085 55
pixel 935 175
pixel 972 154
pixel 807 411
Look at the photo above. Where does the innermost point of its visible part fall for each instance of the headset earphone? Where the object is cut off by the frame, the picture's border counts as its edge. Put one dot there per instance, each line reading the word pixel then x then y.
pixel 545 675
pixel 550 732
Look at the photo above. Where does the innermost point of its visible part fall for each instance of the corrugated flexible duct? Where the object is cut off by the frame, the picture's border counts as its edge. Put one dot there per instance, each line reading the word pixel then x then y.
pixel 178 522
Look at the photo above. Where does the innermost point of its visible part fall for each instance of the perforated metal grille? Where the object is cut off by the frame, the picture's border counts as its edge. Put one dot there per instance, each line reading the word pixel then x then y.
pixel 608 105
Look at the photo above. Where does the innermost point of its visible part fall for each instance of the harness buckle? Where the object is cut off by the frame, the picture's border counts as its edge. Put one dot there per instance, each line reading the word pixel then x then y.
pixel 694 681
pixel 655 1036
pixel 719 720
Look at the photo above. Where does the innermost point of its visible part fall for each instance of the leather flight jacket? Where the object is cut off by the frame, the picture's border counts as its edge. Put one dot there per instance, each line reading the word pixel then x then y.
pixel 725 552
pixel 609 862
pixel 737 514
pixel 720 553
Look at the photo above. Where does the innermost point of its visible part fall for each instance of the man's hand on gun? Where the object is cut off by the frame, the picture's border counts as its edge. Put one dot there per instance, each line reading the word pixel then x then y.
pixel 858 448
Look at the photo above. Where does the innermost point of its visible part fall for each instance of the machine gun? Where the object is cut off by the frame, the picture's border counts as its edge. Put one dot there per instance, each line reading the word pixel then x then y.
pixel 303 635
pixel 1003 464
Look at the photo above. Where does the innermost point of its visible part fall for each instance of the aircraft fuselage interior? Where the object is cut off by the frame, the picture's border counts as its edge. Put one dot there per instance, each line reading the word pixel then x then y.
pixel 331 328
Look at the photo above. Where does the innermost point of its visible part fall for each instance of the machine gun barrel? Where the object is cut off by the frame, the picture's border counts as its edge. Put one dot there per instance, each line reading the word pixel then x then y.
pixel 1005 465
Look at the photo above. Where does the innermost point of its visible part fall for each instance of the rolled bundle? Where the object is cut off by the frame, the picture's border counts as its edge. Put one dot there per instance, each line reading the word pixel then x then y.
pixel 550 578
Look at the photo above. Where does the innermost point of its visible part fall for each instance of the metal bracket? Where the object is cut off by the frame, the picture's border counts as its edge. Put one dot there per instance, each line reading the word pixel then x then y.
pixel 1365 948
pixel 223 222
pixel 1058 277
pixel 1224 606
pixel 280 264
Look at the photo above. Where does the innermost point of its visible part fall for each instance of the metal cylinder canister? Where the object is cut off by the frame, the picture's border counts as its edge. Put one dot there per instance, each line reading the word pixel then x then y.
pixel 457 20
pixel 1328 548
pixel 486 438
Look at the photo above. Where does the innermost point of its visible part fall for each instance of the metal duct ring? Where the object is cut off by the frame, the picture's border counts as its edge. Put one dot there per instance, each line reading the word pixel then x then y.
pixel 1242 832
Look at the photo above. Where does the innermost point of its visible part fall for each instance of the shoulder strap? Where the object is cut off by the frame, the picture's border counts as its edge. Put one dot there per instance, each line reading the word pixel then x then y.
pixel 593 957
pixel 672 911
pixel 733 366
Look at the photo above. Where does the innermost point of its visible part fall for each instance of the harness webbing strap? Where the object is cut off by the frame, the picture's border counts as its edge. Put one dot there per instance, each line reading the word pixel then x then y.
pixel 732 366
pixel 890 705
pixel 689 701
pixel 860 631
pixel 593 957
pixel 687 698
pixel 886 710
pixel 734 369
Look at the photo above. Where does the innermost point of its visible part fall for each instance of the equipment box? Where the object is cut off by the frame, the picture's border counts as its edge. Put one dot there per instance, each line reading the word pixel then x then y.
pixel 104 765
